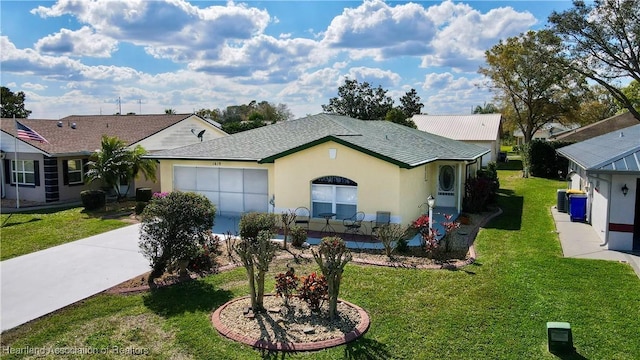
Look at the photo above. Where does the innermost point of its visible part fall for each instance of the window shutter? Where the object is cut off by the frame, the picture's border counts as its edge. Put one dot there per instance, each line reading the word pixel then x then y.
pixel 7 171
pixel 36 171
pixel 65 172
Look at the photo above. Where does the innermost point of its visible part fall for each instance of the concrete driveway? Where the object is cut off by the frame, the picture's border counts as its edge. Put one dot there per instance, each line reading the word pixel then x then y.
pixel 36 284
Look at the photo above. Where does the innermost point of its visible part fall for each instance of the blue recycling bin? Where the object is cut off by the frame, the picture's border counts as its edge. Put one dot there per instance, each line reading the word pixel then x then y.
pixel 578 207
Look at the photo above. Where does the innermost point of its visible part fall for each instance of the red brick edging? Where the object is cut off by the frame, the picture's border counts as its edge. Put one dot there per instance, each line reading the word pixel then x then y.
pixel 362 328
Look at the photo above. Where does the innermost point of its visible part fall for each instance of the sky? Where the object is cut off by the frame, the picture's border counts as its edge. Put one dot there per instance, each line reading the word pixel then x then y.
pixel 82 57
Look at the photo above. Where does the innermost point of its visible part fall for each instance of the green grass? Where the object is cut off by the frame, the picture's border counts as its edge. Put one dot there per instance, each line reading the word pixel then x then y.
pixel 26 232
pixel 496 308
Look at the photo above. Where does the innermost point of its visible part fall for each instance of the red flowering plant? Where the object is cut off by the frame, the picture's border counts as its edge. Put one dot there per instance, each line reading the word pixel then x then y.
pixel 286 284
pixel 313 290
pixel 449 227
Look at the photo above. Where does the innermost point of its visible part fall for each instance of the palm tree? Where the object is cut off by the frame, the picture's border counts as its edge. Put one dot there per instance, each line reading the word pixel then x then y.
pixel 146 167
pixel 114 162
pixel 109 164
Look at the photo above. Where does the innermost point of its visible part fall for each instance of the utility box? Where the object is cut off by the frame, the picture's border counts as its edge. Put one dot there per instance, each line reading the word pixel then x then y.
pixel 563 202
pixel 578 207
pixel 559 337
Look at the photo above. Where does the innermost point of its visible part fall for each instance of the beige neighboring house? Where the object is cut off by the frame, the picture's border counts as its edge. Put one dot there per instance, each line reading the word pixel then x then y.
pixel 616 122
pixel 333 165
pixel 54 171
pixel 546 133
pixel 479 129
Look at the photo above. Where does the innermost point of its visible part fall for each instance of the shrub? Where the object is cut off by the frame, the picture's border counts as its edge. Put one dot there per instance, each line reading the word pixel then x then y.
pixel 298 236
pixel 93 199
pixel 140 205
pixel 390 235
pixel 286 284
pixel 313 290
pixel 252 223
pixel 544 161
pixel 481 190
pixel 174 228
pixel 332 257
pixel 205 261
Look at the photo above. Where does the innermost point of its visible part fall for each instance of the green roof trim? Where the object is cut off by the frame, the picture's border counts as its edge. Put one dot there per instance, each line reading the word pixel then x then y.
pixel 334 138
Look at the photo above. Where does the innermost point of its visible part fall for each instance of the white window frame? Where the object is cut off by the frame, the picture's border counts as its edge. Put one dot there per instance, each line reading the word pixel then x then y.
pixel 334 201
pixel 79 170
pixel 22 173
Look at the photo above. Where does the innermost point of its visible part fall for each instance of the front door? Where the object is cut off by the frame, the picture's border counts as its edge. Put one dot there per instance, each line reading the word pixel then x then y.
pixel 636 221
pixel 446 186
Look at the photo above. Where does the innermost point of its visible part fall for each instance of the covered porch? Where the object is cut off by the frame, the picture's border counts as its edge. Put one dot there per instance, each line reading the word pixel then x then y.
pixel 363 240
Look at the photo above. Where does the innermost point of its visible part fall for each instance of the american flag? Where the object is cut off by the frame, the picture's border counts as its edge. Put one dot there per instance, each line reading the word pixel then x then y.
pixel 26 133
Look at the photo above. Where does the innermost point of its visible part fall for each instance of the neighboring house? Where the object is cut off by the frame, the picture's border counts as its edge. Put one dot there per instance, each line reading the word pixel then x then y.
pixel 607 168
pixel 480 129
pixel 601 127
pixel 328 164
pixel 545 133
pixel 54 171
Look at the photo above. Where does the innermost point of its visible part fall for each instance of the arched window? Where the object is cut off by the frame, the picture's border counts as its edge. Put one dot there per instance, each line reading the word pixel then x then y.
pixel 334 194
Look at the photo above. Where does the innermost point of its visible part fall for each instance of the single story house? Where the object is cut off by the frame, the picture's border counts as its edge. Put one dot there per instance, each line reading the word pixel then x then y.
pixel 333 165
pixel 546 132
pixel 480 129
pixel 616 122
pixel 607 168
pixel 55 171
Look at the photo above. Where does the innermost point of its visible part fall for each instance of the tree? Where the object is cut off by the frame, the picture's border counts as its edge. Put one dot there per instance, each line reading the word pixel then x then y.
pixel 632 92
pixel 110 164
pixel 360 101
pixel 114 163
pixel 140 166
pixel 531 90
pixel 332 257
pixel 602 42
pixel 596 104
pixel 396 115
pixel 170 111
pixel 173 229
pixel 410 104
pixel 12 104
pixel 486 109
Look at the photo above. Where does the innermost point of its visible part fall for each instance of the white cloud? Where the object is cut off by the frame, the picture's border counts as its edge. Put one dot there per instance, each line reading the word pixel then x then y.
pixel 32 86
pixel 167 29
pixel 82 42
pixel 374 76
pixel 447 94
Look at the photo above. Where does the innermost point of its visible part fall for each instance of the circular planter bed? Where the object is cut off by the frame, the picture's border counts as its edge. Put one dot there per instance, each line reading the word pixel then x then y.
pixel 289 328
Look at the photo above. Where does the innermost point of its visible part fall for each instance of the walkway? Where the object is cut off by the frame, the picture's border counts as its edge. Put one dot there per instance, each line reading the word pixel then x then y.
pixel 579 240
pixel 36 284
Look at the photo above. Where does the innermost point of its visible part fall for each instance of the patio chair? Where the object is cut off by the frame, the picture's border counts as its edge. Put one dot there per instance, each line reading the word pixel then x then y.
pixel 303 215
pixel 382 218
pixel 353 224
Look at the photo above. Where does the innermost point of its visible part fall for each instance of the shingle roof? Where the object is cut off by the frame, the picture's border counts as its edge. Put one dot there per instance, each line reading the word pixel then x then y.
pixel 479 127
pixel 395 143
pixel 87 135
pixel 617 151
pixel 601 127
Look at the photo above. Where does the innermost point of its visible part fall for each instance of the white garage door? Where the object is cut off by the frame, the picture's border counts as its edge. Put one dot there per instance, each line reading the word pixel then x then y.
pixel 234 191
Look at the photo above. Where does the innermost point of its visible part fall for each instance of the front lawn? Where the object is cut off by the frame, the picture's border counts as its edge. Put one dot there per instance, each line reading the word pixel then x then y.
pixel 34 230
pixel 496 308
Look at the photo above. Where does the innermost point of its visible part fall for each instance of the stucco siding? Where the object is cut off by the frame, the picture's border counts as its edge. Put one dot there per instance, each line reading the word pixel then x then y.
pixel 378 181
pixel 414 190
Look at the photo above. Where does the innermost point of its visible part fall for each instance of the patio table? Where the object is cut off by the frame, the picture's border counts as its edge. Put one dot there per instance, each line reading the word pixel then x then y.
pixel 327 226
